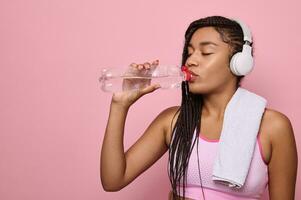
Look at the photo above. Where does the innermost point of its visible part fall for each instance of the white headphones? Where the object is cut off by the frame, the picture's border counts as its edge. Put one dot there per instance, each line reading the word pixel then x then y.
pixel 242 62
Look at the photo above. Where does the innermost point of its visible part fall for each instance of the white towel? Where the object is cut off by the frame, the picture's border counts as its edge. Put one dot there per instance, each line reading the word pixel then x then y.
pixel 241 123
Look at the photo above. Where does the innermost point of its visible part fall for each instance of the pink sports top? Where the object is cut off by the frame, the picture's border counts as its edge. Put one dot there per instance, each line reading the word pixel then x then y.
pixel 255 184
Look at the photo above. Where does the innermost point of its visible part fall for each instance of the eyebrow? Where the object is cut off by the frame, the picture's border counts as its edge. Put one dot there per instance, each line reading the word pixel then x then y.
pixel 204 44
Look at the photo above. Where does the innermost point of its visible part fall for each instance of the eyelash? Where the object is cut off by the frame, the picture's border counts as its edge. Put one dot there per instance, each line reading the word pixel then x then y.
pixel 204 54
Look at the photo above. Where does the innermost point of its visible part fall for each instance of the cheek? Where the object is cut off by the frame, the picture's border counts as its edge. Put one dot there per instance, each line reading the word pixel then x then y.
pixel 218 66
pixel 213 73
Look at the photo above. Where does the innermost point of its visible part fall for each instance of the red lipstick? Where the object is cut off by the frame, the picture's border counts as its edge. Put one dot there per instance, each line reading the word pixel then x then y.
pixel 189 75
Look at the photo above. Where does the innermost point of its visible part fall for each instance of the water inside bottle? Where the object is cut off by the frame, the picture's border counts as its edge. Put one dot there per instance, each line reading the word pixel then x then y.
pixel 126 83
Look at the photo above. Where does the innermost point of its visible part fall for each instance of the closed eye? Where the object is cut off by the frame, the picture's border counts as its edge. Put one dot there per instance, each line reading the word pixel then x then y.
pixel 206 54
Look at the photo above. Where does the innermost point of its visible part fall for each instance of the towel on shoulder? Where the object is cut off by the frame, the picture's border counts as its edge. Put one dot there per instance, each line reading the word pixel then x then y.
pixel 242 118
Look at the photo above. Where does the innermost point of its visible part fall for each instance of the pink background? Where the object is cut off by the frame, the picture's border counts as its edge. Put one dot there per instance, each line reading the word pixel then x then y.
pixel 53 113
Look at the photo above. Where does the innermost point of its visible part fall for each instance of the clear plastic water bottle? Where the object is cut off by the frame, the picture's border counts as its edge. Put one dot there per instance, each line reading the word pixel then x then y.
pixel 120 79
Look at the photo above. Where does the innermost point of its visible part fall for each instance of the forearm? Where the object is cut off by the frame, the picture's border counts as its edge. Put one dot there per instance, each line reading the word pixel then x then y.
pixel 113 162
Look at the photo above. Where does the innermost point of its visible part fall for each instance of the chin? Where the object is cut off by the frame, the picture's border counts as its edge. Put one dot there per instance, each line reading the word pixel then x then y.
pixel 199 88
pixel 196 88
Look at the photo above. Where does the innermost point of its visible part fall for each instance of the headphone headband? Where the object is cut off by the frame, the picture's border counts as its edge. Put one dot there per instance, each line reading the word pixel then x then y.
pixel 246 30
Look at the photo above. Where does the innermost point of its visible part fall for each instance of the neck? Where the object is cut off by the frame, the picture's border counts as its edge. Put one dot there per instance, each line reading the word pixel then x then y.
pixel 214 104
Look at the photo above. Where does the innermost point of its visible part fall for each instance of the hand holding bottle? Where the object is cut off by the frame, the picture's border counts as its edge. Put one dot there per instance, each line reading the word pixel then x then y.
pixel 135 81
pixel 132 79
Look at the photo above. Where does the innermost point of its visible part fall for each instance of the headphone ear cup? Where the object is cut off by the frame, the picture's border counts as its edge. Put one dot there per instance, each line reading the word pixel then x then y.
pixel 241 63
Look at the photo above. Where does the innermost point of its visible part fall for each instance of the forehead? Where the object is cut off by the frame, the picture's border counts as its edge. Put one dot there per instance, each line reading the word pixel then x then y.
pixel 206 34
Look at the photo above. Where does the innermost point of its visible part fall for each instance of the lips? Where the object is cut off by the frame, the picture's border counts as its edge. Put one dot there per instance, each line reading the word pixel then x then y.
pixel 194 74
pixel 185 69
pixel 190 75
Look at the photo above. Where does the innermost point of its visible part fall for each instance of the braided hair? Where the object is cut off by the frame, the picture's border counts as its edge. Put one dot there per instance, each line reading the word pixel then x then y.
pixel 187 126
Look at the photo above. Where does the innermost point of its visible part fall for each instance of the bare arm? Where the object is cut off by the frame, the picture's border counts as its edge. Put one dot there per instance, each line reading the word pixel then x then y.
pixel 150 147
pixel 118 169
pixel 284 161
pixel 113 161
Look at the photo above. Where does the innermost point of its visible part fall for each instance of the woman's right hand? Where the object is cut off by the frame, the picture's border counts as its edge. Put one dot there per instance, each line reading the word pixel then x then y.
pixel 127 98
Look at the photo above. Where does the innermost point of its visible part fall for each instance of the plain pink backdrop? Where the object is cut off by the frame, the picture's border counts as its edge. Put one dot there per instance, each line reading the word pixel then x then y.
pixel 53 113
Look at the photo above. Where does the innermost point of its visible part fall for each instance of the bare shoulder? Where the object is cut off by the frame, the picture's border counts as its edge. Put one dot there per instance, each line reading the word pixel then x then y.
pixel 168 114
pixel 169 118
pixel 277 125
pixel 284 158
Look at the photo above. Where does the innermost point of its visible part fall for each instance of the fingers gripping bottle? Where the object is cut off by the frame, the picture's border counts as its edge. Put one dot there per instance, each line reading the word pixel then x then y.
pixel 119 80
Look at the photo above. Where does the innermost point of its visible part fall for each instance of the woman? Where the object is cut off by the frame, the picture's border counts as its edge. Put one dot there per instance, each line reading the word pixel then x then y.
pixel 209 45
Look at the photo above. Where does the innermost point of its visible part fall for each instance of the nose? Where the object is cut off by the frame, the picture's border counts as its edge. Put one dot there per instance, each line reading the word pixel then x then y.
pixel 190 62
